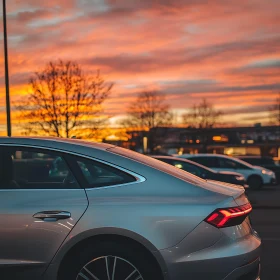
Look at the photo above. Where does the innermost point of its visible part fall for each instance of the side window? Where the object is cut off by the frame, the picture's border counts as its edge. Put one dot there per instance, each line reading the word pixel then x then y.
pixel 98 174
pixel 24 168
pixel 231 164
pixel 226 163
pixel 206 161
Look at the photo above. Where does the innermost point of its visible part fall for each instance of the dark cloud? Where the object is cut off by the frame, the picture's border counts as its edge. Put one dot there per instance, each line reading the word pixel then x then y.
pixel 186 56
pixel 260 87
pixel 20 78
pixel 254 118
pixel 127 9
pixel 246 110
pixel 266 64
pixel 200 9
pixel 112 13
pixel 17 78
pixel 16 5
pixel 27 16
pixel 264 72
pixel 157 5
pixel 225 90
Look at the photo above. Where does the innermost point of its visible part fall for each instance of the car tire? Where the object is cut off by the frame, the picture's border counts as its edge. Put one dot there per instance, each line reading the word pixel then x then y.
pixel 255 183
pixel 99 257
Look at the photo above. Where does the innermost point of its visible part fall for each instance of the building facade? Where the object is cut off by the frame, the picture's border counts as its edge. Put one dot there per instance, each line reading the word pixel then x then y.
pixel 256 140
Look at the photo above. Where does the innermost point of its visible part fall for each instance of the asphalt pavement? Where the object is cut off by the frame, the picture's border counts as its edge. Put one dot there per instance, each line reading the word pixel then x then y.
pixel 266 221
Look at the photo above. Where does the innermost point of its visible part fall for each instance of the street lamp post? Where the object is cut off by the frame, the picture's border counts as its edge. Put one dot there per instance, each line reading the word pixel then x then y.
pixel 8 108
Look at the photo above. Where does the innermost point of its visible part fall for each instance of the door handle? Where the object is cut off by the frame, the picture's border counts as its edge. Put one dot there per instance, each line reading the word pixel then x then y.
pixel 52 215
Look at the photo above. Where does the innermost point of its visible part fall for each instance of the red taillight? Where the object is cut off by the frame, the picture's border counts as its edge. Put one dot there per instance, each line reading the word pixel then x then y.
pixel 227 217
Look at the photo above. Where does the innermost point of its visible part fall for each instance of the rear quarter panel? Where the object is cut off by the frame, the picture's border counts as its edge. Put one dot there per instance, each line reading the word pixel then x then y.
pixel 163 209
pixel 160 212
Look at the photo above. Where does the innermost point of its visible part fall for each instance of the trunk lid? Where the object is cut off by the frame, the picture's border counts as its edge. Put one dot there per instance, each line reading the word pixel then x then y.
pixel 235 191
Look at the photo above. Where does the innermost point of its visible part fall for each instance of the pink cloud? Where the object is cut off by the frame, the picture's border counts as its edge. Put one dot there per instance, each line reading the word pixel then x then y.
pixel 173 46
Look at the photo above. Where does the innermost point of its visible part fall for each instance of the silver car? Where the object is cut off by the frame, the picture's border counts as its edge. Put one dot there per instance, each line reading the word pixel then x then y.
pixel 74 210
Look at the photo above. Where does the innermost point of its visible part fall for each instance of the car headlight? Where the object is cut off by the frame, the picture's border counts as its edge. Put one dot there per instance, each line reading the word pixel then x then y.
pixel 267 172
pixel 240 178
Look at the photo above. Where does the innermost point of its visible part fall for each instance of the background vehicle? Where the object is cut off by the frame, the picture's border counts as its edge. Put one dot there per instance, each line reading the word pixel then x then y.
pixel 111 213
pixel 256 177
pixel 204 172
pixel 266 162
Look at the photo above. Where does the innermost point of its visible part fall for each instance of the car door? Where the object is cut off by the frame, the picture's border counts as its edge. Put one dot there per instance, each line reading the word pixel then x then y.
pixel 228 164
pixel 243 169
pixel 39 206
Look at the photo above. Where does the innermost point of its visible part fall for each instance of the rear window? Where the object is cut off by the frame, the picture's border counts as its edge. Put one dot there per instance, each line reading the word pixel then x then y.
pixel 268 161
pixel 157 164
pixel 253 161
pixel 99 175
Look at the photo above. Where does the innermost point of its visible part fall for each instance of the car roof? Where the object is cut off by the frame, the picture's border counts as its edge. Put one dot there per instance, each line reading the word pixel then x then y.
pixel 49 141
pixel 202 155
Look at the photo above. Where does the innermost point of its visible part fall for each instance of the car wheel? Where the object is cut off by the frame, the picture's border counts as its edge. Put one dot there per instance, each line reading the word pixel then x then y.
pixel 255 183
pixel 112 261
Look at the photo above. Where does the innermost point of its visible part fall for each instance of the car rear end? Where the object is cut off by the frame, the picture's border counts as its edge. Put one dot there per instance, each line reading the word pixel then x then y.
pixel 220 242
pixel 223 246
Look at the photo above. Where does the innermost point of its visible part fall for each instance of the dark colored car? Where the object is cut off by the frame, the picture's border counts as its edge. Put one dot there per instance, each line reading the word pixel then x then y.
pixel 266 162
pixel 204 172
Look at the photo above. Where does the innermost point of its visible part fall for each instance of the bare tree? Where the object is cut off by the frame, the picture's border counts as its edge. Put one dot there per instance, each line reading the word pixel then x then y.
pixel 149 111
pixel 64 101
pixel 202 116
pixel 274 112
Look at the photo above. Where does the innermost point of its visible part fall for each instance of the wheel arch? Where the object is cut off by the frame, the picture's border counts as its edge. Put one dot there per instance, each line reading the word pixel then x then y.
pixel 255 176
pixel 107 234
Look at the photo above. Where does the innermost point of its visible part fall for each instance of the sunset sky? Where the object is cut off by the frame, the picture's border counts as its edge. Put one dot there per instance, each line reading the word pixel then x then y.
pixel 225 51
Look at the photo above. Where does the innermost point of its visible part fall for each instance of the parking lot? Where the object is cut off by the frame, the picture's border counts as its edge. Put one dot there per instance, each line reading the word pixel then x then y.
pixel 266 221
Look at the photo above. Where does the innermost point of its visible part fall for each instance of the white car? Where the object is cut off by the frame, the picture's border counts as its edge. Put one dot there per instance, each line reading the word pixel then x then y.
pixel 255 176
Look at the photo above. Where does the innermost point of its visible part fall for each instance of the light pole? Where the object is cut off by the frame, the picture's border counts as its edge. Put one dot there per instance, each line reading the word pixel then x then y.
pixel 8 108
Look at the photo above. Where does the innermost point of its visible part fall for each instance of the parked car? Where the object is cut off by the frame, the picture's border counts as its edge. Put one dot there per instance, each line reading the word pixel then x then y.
pixel 266 162
pixel 256 177
pixel 203 171
pixel 97 211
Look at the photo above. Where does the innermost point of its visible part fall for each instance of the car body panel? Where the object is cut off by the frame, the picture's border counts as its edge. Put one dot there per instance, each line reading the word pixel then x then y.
pixel 156 208
pixel 221 255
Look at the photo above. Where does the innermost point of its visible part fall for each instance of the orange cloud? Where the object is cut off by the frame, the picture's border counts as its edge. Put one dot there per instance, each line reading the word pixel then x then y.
pixel 226 51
